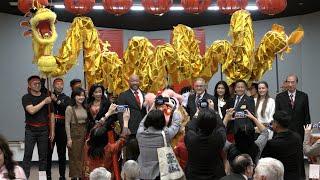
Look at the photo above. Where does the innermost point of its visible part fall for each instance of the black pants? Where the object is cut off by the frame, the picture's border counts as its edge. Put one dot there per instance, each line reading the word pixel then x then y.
pixel 31 138
pixel 132 148
pixel 61 141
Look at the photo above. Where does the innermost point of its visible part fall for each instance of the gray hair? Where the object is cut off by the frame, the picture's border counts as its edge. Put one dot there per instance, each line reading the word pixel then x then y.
pixel 130 170
pixel 100 173
pixel 271 168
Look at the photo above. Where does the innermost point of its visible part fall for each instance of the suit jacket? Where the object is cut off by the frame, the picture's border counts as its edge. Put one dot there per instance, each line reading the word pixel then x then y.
pixel 192 106
pixel 204 161
pixel 299 113
pixel 136 113
pixel 247 103
pixel 287 148
pixel 233 176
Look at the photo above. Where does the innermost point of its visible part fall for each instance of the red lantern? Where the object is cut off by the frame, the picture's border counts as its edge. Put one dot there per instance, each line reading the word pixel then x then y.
pixel 157 7
pixel 271 7
pixel 79 7
pixel 231 6
pixel 117 7
pixel 25 5
pixel 195 6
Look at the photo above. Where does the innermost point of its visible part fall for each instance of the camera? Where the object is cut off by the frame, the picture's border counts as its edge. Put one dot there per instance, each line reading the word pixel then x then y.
pixel 122 108
pixel 316 125
pixel 240 114
pixel 202 103
pixel 160 100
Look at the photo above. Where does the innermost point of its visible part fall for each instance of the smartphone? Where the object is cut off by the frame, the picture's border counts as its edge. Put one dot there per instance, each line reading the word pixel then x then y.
pixel 121 108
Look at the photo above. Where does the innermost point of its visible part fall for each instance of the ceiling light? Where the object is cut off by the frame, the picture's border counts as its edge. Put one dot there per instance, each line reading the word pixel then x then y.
pixel 252 8
pixel 59 6
pixel 176 8
pixel 97 7
pixel 137 8
pixel 213 8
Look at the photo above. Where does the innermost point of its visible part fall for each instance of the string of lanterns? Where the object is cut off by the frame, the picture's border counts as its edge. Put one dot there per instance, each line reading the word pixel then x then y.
pixel 159 7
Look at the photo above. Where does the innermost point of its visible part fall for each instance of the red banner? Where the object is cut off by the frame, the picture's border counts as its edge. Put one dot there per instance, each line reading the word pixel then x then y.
pixel 157 42
pixel 115 39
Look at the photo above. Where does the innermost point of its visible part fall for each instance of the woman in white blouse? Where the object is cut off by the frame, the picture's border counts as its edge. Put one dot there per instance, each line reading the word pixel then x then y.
pixel 265 105
pixel 222 93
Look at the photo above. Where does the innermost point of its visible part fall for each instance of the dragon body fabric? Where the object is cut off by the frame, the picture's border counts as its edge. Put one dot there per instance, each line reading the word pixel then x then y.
pixel 156 66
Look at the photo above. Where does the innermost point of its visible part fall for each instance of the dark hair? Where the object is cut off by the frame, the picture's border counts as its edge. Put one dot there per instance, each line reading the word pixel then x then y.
pixel 207 120
pixel 57 79
pixel 265 102
pixel 244 143
pixel 226 87
pixel 155 119
pixel 77 92
pixel 74 81
pixel 185 89
pixel 240 163
pixel 282 117
pixel 98 140
pixel 33 77
pixel 91 91
pixel 292 75
pixel 240 81
pixel 9 163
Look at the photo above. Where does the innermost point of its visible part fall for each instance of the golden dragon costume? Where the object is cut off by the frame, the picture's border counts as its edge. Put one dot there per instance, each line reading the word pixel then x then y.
pixel 156 66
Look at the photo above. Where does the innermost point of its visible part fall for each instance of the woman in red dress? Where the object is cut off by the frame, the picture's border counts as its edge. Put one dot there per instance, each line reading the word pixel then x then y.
pixel 99 151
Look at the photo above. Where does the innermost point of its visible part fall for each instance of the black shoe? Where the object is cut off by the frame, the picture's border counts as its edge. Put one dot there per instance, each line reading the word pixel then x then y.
pixel 49 178
pixel 62 178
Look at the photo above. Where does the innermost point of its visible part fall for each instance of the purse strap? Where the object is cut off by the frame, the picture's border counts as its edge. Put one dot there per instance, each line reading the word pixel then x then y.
pixel 164 138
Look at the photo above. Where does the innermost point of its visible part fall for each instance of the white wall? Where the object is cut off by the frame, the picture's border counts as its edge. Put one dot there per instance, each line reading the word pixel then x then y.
pixel 16 57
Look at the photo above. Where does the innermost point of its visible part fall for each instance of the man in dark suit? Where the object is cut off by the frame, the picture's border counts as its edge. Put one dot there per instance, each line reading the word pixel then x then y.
pixel 240 103
pixel 286 146
pixel 241 167
pixel 200 93
pixel 134 98
pixel 296 103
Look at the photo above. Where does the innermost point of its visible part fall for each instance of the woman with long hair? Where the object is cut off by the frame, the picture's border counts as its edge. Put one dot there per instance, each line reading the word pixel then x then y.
pixel 98 149
pixel 222 93
pixel 98 104
pixel 265 105
pixel 76 122
pixel 9 169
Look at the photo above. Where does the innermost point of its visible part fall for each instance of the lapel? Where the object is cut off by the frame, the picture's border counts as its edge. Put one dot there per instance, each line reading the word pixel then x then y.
pixel 133 99
pixel 297 98
pixel 242 101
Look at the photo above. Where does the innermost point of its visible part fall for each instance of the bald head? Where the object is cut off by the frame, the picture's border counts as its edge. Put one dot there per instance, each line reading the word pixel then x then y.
pixel 134 82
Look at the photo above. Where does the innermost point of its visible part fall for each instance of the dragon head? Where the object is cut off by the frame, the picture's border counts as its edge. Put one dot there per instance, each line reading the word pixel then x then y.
pixel 43 26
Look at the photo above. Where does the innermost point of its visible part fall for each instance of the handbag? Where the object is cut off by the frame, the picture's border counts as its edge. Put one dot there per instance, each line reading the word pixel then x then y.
pixel 168 164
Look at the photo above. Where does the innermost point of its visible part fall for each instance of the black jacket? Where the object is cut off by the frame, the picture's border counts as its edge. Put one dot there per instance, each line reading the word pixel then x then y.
pixel 192 106
pixel 136 114
pixel 299 114
pixel 204 161
pixel 287 148
pixel 246 103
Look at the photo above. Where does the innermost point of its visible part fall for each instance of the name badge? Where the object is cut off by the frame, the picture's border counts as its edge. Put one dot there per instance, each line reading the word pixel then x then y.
pixel 243 107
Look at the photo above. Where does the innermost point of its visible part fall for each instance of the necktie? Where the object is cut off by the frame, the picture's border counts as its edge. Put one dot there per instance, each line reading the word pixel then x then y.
pixel 197 99
pixel 237 102
pixel 136 94
pixel 291 101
